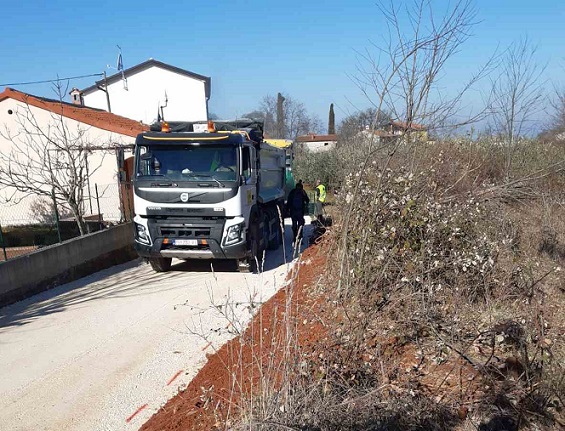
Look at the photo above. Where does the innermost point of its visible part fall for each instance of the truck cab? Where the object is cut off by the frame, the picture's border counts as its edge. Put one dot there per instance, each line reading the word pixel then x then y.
pixel 206 192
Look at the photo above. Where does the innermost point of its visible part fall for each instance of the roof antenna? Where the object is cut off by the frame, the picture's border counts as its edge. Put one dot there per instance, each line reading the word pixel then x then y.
pixel 120 67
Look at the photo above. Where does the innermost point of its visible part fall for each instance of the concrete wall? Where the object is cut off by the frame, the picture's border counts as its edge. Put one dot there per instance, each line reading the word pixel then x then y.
pixel 57 264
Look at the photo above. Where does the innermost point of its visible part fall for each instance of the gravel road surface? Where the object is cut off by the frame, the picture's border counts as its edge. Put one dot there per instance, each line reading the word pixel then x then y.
pixel 104 352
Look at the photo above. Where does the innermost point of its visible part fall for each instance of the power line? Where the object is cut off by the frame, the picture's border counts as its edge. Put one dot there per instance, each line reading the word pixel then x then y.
pixel 51 80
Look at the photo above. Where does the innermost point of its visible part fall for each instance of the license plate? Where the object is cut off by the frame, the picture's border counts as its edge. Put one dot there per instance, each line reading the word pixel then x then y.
pixel 185 242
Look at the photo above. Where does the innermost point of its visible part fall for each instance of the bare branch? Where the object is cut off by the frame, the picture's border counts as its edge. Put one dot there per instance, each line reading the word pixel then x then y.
pixel 408 66
pixel 517 94
pixel 46 159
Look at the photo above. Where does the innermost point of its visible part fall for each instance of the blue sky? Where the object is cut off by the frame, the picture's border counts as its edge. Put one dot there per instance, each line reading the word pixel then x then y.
pixel 306 49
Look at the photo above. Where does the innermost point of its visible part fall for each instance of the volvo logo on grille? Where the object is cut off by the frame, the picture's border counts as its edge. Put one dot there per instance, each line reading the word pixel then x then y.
pixel 184 197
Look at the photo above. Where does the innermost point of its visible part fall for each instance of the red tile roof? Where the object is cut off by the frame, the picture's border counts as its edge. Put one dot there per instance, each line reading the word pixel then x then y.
pixel 316 138
pixel 91 116
pixel 402 125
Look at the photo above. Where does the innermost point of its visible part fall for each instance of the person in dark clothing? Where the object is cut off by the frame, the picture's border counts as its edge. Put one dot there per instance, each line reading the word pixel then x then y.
pixel 297 199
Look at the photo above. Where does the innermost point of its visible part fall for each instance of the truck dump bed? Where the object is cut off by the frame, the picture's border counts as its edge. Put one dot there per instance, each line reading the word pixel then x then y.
pixel 272 172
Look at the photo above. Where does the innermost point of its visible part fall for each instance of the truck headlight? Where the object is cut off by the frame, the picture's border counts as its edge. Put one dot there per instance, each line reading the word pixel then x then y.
pixel 233 234
pixel 141 234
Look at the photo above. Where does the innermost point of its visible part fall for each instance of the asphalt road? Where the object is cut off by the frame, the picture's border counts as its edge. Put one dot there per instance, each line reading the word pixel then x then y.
pixel 104 352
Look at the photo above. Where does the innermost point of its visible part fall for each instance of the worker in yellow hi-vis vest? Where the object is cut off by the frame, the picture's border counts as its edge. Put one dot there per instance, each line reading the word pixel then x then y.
pixel 320 200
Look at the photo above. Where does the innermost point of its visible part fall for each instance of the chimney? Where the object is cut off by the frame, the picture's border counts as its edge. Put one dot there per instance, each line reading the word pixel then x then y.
pixel 76 97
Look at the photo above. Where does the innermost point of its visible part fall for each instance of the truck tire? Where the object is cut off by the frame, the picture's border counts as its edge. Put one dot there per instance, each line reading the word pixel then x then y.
pixel 160 264
pixel 255 243
pixel 275 235
pixel 266 229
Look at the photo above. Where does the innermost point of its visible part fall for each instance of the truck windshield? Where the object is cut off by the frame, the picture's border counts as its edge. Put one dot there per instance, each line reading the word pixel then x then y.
pixel 187 163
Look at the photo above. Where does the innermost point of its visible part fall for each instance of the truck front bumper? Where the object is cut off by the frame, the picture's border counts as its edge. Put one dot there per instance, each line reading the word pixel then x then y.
pixel 213 251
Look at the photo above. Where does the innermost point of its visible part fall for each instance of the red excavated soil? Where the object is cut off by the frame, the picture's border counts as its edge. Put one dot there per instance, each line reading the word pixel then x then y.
pixel 231 375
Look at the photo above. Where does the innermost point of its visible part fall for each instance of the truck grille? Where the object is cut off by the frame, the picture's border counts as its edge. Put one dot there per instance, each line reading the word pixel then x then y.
pixel 185 233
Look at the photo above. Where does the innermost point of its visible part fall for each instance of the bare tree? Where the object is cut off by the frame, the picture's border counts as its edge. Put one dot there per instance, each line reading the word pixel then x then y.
pixel 556 129
pixel 404 77
pixel 351 125
pixel 297 120
pixel 559 105
pixel 404 74
pixel 559 116
pixel 43 209
pixel 517 93
pixel 47 160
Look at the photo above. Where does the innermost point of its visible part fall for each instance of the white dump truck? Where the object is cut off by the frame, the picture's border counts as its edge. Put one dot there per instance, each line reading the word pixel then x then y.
pixel 207 190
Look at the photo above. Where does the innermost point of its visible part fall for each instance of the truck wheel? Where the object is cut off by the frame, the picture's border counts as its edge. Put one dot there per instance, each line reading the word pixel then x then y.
pixel 266 230
pixel 160 264
pixel 255 249
pixel 256 254
pixel 274 231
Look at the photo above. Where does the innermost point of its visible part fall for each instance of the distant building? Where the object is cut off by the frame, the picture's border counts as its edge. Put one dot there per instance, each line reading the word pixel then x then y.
pixel 23 115
pixel 140 91
pixel 377 135
pixel 400 128
pixel 317 143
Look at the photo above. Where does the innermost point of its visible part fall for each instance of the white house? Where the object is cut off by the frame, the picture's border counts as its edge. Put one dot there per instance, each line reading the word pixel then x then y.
pixel 317 143
pixel 149 89
pixel 27 121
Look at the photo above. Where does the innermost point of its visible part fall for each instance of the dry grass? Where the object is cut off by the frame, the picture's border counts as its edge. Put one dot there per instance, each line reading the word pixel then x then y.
pixel 446 296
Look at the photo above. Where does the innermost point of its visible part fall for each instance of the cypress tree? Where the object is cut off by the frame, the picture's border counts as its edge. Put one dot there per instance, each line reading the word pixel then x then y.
pixel 331 121
pixel 280 116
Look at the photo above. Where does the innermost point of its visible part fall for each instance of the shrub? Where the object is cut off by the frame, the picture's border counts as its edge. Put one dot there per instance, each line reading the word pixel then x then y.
pixel 444 293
